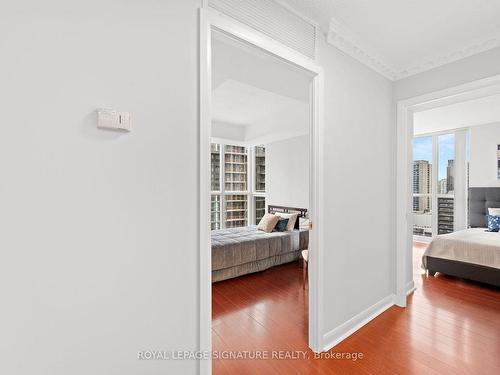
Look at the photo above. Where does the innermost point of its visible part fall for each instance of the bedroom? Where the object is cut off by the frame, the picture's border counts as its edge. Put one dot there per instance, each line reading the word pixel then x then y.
pixel 260 180
pixel 456 191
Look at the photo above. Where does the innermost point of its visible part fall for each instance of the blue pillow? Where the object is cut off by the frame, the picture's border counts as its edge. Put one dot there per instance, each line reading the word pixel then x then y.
pixel 493 223
pixel 282 223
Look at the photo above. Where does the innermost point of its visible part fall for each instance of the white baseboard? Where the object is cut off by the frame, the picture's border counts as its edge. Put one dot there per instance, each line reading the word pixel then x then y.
pixel 346 329
pixel 410 287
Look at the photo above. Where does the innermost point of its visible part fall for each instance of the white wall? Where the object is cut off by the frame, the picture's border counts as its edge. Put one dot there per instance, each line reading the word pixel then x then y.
pixel 96 264
pixel 359 187
pixel 287 172
pixel 483 166
pixel 472 68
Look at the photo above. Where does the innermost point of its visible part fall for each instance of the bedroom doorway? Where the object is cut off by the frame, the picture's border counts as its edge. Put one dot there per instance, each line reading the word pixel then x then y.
pixel 434 130
pixel 260 128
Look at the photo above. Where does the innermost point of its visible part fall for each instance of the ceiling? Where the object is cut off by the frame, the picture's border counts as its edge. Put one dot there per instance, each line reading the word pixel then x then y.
pixel 470 113
pixel 399 38
pixel 256 98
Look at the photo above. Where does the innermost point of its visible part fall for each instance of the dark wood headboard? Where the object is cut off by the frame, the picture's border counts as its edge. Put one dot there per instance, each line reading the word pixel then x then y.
pixel 288 210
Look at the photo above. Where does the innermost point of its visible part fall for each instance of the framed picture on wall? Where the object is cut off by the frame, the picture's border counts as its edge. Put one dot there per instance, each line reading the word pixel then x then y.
pixel 498 161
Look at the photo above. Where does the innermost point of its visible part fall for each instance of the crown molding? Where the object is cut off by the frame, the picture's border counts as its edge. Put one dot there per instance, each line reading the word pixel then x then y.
pixel 449 57
pixel 342 38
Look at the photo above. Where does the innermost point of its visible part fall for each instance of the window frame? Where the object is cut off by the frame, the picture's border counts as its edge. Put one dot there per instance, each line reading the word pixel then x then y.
pixel 250 191
pixel 461 139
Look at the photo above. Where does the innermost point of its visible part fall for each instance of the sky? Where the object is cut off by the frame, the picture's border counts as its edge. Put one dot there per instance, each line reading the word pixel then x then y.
pixel 422 150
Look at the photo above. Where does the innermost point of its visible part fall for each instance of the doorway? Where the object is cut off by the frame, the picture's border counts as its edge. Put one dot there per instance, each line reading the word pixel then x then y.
pixel 407 199
pixel 211 23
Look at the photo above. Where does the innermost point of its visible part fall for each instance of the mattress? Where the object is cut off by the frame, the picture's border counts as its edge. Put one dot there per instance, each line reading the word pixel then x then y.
pixel 239 251
pixel 474 245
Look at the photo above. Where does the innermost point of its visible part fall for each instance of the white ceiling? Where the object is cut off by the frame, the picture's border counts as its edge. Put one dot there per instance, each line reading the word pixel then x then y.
pixel 460 115
pixel 256 98
pixel 399 38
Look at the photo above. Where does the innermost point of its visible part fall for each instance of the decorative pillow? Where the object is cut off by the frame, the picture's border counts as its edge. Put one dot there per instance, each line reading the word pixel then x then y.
pixel 303 223
pixel 292 218
pixel 494 211
pixel 281 225
pixel 268 222
pixel 493 223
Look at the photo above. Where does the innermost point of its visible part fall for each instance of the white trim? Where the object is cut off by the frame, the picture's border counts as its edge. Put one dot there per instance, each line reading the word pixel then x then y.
pixel 205 265
pixel 460 180
pixel 346 329
pixel 410 287
pixel 434 185
pixel 209 21
pixel 405 109
pixel 344 39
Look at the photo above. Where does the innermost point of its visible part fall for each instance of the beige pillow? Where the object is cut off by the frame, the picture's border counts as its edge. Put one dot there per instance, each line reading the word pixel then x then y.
pixel 494 211
pixel 292 218
pixel 268 222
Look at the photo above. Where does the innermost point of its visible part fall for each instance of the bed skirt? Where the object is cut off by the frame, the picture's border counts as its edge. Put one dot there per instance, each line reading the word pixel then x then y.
pixel 254 266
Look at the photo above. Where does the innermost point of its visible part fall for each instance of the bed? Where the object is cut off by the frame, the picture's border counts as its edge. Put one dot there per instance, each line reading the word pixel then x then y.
pixel 473 253
pixel 244 250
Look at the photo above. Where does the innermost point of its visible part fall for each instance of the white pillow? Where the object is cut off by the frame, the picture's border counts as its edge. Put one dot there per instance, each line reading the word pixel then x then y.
pixel 268 222
pixel 303 223
pixel 494 211
pixel 292 218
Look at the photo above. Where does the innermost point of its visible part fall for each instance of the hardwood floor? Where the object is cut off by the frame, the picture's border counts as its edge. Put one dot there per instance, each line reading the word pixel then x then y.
pixel 449 326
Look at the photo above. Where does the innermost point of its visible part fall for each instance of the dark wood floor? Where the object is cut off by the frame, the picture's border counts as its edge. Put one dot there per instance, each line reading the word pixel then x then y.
pixel 449 327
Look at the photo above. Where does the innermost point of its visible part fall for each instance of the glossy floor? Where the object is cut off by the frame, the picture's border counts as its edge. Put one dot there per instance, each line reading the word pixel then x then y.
pixel 450 327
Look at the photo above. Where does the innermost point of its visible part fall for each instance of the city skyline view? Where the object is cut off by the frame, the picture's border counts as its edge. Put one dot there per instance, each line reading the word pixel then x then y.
pixel 422 150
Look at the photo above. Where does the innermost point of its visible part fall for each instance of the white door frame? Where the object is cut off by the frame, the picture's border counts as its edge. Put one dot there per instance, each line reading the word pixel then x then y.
pixel 209 21
pixel 404 175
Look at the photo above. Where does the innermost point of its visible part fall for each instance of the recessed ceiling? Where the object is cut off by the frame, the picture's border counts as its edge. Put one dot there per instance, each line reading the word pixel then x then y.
pixel 466 114
pixel 401 38
pixel 256 98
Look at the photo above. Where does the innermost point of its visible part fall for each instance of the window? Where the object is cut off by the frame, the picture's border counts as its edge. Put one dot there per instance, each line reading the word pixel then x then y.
pixel 422 186
pixel 260 208
pixel 446 183
pixel 215 166
pixel 233 204
pixel 260 169
pixel 235 168
pixel 215 211
pixel 236 210
pixel 434 184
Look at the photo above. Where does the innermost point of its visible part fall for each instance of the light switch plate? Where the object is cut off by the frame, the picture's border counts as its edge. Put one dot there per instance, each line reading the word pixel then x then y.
pixel 111 119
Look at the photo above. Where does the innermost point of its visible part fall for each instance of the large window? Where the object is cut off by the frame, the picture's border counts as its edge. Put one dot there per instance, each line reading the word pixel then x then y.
pixel 433 184
pixel 235 168
pixel 422 186
pixel 215 209
pixel 215 167
pixel 238 185
pixel 446 183
pixel 260 169
pixel 236 210
pixel 260 208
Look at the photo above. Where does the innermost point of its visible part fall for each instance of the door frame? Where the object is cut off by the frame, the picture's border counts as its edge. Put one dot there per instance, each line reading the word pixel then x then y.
pixel 404 172
pixel 211 20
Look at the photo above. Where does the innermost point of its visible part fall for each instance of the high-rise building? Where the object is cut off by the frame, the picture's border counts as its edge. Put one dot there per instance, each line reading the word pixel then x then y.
pixel 450 173
pixel 442 186
pixel 445 215
pixel 421 185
